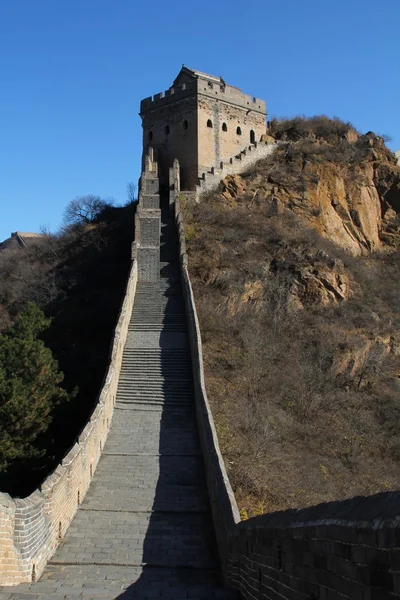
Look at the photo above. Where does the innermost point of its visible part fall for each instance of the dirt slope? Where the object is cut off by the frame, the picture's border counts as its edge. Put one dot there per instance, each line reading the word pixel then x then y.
pixel 295 270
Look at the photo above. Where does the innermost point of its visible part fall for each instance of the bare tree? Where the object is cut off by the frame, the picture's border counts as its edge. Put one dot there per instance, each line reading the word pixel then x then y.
pixel 84 209
pixel 131 189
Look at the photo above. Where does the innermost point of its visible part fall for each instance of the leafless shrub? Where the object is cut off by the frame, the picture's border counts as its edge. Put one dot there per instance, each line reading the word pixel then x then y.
pixel 301 127
pixel 85 209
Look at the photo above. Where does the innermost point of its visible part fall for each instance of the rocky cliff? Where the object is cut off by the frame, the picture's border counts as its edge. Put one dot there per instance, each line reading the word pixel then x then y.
pixel 345 186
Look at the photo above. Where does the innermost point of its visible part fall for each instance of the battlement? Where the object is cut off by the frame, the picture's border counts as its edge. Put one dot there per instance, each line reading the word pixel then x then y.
pixel 173 94
pixel 235 165
pixel 201 87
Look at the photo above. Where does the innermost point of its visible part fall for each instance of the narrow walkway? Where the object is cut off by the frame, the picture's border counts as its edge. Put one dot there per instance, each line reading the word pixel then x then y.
pixel 144 529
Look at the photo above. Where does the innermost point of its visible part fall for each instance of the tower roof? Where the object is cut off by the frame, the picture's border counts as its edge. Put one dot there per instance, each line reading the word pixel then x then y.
pixel 185 72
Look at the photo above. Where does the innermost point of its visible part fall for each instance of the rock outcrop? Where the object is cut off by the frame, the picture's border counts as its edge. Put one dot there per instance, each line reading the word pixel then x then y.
pixel 349 191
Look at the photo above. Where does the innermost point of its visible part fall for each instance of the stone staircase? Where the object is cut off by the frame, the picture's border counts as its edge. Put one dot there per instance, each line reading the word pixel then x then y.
pixel 144 529
pixel 235 165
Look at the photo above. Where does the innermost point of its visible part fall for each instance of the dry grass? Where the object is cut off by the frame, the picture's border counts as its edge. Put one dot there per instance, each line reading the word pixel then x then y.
pixel 306 402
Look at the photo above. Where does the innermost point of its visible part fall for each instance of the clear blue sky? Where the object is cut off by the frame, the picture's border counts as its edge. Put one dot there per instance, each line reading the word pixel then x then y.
pixel 72 73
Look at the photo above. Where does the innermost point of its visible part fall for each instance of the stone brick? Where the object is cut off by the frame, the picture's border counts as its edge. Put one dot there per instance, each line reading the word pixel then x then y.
pixel 201 121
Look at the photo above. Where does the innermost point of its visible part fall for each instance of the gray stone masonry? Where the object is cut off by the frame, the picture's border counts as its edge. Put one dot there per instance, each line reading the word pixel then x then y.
pixel 148 223
pixel 234 166
pixel 144 529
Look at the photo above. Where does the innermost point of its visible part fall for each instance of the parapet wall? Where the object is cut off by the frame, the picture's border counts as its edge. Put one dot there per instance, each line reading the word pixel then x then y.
pixel 173 94
pixel 345 550
pixel 335 551
pixel 223 504
pixel 222 93
pixel 146 247
pixel 31 528
pixel 236 165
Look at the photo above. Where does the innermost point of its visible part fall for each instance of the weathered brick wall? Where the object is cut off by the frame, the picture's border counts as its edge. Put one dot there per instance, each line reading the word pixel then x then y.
pixel 31 528
pixel 345 550
pixel 221 141
pixel 148 222
pixel 222 500
pixel 170 126
pixel 334 551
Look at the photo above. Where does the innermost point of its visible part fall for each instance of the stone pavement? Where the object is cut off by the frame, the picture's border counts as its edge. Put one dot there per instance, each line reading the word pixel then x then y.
pixel 144 529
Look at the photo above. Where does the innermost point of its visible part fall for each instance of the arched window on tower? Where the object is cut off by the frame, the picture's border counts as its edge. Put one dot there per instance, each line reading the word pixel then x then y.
pixel 224 127
pixel 209 123
pixel 166 129
pixel 238 131
pixel 252 137
pixel 185 125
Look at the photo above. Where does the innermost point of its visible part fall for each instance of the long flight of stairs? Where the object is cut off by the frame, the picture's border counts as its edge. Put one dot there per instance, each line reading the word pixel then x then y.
pixel 144 529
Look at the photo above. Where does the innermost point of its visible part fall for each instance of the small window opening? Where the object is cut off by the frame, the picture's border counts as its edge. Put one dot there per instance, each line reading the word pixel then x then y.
pixel 91 471
pixel 224 127
pixel 166 129
pixel 209 123
pixel 238 131
pixel 210 85
pixel 185 125
pixel 150 135
pixel 101 448
pixel 79 498
pixel 252 137
pixel 59 531
pixel 33 573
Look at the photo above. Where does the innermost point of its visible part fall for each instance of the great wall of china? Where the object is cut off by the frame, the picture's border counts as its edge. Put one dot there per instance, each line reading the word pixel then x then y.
pixel 142 507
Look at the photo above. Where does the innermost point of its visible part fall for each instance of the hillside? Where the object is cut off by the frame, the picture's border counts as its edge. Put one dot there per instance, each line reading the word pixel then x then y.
pixel 295 271
pixel 78 278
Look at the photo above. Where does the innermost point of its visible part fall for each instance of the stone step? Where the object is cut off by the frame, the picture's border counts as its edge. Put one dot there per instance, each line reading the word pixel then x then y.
pixel 142 370
pixel 139 380
pixel 148 483
pixel 157 317
pixel 161 355
pixel 160 393
pixel 138 374
pixel 168 432
pixel 172 540
pixel 102 582
pixel 172 355
pixel 162 366
pixel 166 328
pixel 161 399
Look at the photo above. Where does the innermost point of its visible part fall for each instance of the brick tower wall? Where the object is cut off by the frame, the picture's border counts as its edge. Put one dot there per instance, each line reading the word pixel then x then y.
pixel 197 123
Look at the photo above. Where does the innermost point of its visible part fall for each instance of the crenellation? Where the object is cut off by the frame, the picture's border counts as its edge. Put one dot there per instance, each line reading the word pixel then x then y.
pixel 202 122
pixel 173 94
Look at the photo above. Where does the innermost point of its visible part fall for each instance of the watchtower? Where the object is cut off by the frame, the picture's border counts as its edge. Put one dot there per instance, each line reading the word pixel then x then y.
pixel 201 121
